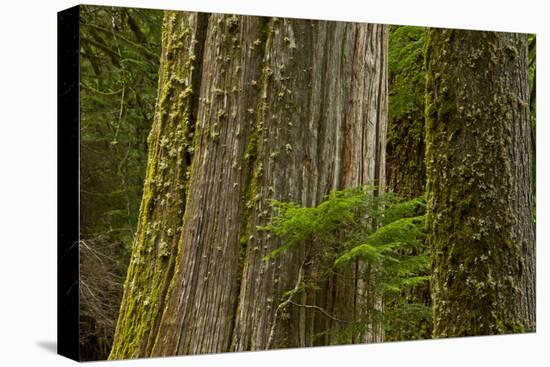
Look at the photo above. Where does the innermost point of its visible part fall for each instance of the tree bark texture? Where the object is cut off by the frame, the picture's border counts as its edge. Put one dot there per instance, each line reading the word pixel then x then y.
pixel 480 200
pixel 156 243
pixel 282 109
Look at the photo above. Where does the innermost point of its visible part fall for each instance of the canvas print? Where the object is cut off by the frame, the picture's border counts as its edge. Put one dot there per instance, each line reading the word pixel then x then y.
pixel 251 183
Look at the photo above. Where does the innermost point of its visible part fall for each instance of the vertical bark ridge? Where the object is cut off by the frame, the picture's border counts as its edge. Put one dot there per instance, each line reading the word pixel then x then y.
pixel 315 115
pixel 199 312
pixel 155 243
pixel 286 110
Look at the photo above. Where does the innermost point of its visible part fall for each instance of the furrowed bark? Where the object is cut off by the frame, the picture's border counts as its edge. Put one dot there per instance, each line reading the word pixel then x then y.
pixel 480 200
pixel 200 309
pixel 287 109
pixel 321 127
pixel 155 247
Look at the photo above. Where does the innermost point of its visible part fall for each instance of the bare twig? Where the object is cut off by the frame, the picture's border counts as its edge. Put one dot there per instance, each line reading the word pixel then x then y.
pixel 320 309
pixel 283 305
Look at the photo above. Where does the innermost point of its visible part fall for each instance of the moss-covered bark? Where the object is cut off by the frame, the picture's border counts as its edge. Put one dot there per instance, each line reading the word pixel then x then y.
pixel 199 314
pixel 155 247
pixel 479 183
pixel 286 109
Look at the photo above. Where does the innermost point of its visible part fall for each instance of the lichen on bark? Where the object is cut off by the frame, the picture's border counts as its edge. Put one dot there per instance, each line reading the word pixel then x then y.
pixel 267 122
pixel 479 183
pixel 315 137
pixel 155 247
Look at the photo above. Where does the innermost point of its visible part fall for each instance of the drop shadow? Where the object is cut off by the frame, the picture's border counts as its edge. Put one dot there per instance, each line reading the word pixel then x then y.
pixel 48 345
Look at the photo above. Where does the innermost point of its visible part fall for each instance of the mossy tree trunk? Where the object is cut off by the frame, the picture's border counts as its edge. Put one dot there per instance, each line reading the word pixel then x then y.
pixel 156 242
pixel 280 109
pixel 480 198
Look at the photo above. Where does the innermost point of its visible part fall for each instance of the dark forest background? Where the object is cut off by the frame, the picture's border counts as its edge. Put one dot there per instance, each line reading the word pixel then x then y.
pixel 119 55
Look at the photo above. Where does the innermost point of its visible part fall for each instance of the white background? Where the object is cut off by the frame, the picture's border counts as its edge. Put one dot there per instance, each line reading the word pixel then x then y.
pixel 28 183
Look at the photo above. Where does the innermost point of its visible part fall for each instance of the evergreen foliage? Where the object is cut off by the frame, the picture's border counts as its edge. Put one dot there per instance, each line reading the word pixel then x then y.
pixel 119 61
pixel 405 173
pixel 382 231
pixel 405 61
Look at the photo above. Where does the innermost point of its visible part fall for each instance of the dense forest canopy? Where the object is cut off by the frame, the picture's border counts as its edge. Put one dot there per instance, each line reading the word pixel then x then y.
pixel 251 183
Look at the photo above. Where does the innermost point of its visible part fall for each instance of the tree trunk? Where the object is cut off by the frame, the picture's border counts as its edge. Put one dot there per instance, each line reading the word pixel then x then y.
pixel 321 126
pixel 479 183
pixel 156 243
pixel 286 109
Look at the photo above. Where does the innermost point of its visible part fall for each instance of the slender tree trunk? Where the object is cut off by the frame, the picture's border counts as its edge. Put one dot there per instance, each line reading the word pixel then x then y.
pixel 479 183
pixel 286 109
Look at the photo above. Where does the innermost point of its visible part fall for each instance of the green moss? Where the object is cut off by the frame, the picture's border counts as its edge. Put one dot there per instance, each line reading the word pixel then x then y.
pixel 467 202
pixel 405 65
pixel 170 142
pixel 405 131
